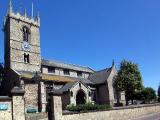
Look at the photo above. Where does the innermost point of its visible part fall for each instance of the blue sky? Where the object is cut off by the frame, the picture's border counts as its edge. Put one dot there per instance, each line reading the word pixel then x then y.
pixel 93 32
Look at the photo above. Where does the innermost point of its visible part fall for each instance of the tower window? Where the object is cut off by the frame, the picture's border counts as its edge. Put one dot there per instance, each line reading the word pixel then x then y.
pixel 26 58
pixel 26 34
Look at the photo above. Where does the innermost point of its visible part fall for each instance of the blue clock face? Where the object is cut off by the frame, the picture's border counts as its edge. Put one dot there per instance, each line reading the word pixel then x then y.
pixel 26 46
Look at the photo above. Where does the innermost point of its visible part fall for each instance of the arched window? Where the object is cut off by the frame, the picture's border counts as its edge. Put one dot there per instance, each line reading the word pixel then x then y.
pixel 71 93
pixel 89 94
pixel 26 34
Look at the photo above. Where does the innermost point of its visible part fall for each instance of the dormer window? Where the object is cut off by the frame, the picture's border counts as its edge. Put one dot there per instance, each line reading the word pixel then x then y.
pixel 79 73
pixel 51 70
pixel 66 72
pixel 26 58
pixel 26 34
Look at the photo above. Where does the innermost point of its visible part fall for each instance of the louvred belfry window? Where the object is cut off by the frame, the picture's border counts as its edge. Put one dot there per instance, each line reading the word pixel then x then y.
pixel 26 34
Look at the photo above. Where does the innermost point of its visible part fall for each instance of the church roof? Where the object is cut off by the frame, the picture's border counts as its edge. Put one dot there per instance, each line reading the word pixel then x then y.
pixel 67 87
pixel 45 77
pixel 84 80
pixel 66 66
pixel 49 77
pixel 100 77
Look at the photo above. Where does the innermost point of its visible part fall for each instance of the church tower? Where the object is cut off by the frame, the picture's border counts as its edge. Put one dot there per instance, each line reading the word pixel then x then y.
pixel 22 41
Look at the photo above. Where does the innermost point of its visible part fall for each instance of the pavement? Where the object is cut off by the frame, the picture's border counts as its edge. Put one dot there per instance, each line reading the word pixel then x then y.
pixel 154 116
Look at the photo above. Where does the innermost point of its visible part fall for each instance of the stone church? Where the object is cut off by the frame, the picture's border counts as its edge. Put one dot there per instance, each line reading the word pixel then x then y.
pixel 25 68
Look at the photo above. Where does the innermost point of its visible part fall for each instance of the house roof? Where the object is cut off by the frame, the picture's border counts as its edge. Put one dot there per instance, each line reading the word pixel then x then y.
pixel 66 66
pixel 100 77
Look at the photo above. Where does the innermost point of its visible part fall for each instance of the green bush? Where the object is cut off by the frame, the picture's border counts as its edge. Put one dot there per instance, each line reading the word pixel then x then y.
pixel 148 95
pixel 88 107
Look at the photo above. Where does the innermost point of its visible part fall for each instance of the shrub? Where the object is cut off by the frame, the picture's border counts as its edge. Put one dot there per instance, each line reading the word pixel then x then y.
pixel 148 95
pixel 88 107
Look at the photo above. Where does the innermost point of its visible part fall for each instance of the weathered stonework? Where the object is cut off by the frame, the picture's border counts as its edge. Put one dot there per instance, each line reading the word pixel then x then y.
pixel 6 114
pixel 18 108
pixel 14 38
pixel 42 95
pixel 14 109
pixel 31 95
pixel 37 116
pixel 124 114
pixel 102 97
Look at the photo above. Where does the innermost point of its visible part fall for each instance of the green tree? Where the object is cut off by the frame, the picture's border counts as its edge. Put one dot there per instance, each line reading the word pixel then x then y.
pixel 148 95
pixel 159 93
pixel 128 80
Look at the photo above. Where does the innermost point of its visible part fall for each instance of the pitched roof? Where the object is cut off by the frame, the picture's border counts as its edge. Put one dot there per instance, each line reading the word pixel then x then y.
pixel 49 77
pixel 45 77
pixel 67 87
pixel 100 77
pixel 84 80
pixel 66 66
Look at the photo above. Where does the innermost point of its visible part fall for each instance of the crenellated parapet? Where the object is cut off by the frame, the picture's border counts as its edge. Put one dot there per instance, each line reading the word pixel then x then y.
pixel 22 17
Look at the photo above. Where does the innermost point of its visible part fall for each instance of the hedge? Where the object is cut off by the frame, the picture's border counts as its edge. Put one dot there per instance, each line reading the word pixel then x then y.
pixel 88 107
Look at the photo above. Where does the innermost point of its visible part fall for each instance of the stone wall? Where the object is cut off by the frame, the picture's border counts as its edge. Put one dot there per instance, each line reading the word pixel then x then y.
pixel 31 95
pixel 18 108
pixel 42 97
pixel 37 116
pixel 123 114
pixel 65 100
pixel 13 108
pixel 116 114
pixel 6 114
pixel 102 94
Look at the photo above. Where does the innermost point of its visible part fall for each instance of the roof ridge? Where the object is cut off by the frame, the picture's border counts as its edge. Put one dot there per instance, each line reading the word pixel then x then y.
pixel 104 69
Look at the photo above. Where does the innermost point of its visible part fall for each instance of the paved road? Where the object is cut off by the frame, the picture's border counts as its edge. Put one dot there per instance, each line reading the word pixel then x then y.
pixel 155 116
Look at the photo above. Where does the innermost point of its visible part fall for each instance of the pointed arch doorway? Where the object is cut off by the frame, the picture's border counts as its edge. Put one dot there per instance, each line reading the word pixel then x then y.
pixel 80 97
